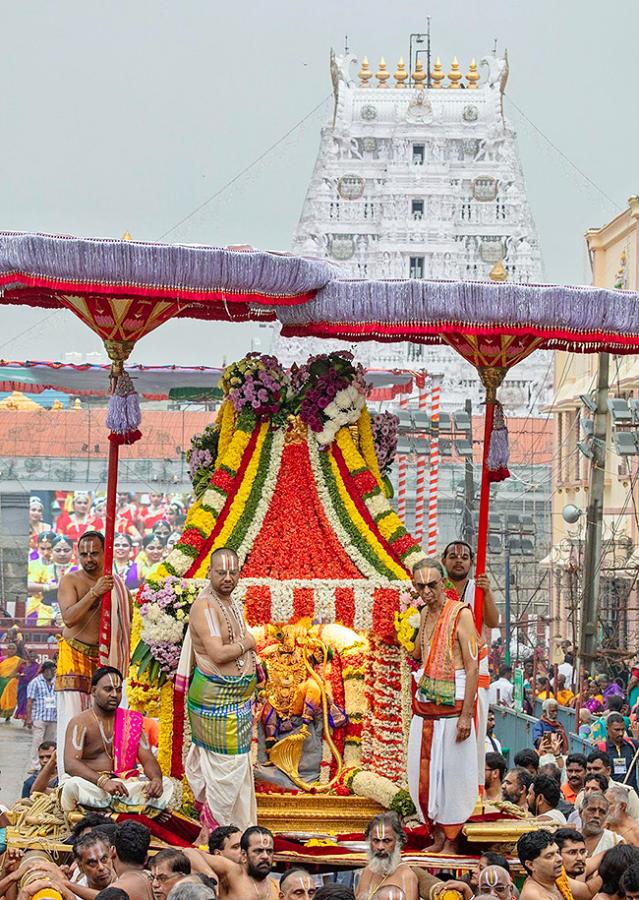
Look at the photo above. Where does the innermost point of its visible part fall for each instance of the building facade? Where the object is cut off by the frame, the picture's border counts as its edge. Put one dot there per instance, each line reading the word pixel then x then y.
pixel 613 251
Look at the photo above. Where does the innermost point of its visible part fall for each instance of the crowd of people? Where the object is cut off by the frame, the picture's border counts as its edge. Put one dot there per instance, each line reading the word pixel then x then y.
pixel 585 839
pixel 147 528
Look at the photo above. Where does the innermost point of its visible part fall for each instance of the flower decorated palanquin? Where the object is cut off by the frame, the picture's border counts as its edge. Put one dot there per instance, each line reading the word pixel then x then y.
pixel 289 478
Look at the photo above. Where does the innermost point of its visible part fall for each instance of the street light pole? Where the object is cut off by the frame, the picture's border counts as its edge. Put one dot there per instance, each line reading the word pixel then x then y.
pixel 507 613
pixel 594 521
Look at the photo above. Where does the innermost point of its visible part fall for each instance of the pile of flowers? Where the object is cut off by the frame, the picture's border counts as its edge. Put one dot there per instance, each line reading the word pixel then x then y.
pixel 374 787
pixel 258 384
pixel 407 629
pixel 407 619
pixel 332 393
pixel 384 426
pixel 164 611
pixel 201 458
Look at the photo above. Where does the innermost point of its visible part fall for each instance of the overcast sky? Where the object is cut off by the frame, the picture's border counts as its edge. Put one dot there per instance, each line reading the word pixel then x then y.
pixel 130 114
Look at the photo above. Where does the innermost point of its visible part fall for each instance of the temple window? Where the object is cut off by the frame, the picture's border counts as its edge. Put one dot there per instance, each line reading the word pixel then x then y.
pixel 417 209
pixel 419 153
pixel 416 267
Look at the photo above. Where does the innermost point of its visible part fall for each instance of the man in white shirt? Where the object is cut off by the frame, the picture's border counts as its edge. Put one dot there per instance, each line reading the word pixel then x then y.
pixel 543 799
pixel 501 691
pixel 566 668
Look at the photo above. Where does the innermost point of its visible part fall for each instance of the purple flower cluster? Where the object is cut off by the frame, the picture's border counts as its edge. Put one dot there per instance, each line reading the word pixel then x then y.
pixel 384 427
pixel 166 597
pixel 168 656
pixel 319 381
pixel 256 383
pixel 199 459
pixel 318 397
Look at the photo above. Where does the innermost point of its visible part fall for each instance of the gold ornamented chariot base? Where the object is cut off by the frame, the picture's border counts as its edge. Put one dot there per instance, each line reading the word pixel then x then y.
pixel 320 813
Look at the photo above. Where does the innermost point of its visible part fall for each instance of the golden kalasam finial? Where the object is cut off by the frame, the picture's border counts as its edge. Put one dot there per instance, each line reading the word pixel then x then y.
pixel 437 76
pixel 364 73
pixel 400 73
pixel 472 75
pixel 382 73
pixel 127 236
pixel 498 273
pixel 454 76
pixel 419 76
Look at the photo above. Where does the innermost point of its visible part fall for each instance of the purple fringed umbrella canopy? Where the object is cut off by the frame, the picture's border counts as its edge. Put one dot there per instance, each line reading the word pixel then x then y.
pixel 492 325
pixel 124 289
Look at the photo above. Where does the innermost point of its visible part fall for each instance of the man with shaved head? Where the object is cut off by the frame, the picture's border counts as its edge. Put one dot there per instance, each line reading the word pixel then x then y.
pixel 220 651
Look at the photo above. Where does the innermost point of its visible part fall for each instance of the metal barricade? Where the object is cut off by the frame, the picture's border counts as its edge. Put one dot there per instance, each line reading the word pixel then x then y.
pixel 514 731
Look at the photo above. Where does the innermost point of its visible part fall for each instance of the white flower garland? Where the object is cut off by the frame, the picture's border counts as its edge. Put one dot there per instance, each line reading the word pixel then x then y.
pixel 374 787
pixel 180 561
pixel 325 499
pixel 158 627
pixel 275 461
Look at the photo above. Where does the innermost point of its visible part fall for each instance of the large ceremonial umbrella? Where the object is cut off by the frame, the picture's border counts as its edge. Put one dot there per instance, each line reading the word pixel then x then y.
pixel 124 289
pixel 493 326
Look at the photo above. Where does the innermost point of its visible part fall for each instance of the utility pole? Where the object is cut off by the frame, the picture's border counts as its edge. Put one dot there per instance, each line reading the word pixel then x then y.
pixel 507 597
pixel 594 522
pixel 468 531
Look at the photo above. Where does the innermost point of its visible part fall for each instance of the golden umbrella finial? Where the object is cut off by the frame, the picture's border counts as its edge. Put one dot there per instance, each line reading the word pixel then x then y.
pixel 127 236
pixel 498 273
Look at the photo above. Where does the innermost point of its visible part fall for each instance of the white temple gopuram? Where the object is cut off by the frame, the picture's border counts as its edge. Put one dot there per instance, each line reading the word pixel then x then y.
pixel 420 177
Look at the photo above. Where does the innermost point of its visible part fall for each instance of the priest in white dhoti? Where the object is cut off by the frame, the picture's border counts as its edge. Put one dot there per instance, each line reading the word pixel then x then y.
pixel 443 775
pixel 217 666
pixel 458 562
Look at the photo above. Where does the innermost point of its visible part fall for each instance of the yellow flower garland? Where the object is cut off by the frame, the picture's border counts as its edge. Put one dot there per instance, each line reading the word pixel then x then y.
pixel 231 458
pixel 140 694
pixel 389 524
pixel 226 416
pixel 239 501
pixel 357 520
pixel 165 742
pixel 367 445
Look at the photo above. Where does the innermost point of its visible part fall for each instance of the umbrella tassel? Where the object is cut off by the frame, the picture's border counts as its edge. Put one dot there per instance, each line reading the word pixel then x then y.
pixel 498 453
pixel 124 415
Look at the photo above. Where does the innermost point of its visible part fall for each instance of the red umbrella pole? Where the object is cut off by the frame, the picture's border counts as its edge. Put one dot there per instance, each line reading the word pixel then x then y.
pixel 491 377
pixel 484 502
pixel 109 532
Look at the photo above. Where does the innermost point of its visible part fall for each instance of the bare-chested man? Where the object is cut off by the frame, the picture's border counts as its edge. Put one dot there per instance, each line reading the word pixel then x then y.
pixel 249 877
pixel 218 766
pixel 458 562
pixel 89 757
pixel 79 596
pixel 385 868
pixel 541 858
pixel 442 746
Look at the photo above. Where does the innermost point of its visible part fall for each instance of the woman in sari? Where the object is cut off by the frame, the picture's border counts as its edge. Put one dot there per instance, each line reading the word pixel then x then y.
pixel 9 670
pixel 27 674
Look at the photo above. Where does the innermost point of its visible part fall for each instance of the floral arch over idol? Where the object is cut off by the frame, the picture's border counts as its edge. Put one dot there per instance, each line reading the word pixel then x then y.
pixel 293 476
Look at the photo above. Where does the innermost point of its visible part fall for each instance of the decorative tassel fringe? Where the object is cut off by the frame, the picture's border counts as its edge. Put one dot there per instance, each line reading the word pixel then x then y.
pixel 124 415
pixel 498 452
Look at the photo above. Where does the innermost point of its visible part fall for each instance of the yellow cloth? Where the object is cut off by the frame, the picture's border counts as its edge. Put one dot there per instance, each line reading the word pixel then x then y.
pixel 77 662
pixel 9 685
pixel 565 698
